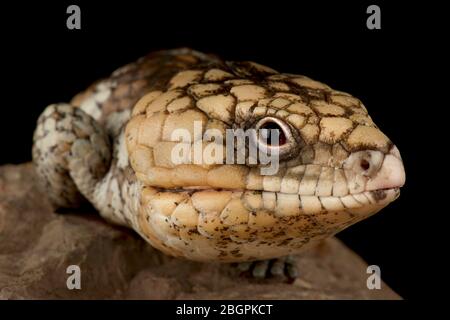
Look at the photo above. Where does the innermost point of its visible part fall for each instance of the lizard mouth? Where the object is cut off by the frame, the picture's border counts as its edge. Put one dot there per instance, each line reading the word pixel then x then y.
pixel 365 202
pixel 348 194
pixel 319 193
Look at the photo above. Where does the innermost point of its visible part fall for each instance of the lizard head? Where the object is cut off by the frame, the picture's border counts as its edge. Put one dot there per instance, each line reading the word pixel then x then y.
pixel 332 166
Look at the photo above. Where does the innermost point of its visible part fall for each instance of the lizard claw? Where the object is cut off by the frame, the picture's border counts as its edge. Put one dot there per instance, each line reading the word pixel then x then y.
pixel 263 269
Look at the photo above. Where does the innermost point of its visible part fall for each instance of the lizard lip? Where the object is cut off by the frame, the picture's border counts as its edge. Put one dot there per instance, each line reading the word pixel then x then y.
pixel 380 196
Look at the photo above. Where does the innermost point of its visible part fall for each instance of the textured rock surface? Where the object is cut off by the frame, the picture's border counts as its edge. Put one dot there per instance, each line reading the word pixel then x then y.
pixel 37 245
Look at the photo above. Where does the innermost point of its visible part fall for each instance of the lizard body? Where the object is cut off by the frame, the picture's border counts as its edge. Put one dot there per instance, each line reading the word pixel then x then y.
pixel 112 146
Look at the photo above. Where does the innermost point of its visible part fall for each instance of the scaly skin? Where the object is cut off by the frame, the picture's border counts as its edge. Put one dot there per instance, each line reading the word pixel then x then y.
pixel 112 146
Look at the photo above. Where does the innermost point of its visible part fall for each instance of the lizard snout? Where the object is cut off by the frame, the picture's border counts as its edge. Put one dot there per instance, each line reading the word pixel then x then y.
pixel 382 171
pixel 390 175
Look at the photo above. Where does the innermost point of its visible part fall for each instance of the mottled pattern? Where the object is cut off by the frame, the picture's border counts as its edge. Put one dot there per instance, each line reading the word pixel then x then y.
pixel 339 169
pixel 63 131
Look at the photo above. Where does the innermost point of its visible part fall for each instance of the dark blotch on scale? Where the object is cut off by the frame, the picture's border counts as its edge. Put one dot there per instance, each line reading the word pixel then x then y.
pixel 379 195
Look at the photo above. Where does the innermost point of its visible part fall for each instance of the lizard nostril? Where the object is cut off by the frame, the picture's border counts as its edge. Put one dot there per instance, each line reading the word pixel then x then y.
pixel 365 165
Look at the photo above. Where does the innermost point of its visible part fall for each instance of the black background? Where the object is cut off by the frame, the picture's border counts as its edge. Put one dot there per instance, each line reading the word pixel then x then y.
pixel 44 62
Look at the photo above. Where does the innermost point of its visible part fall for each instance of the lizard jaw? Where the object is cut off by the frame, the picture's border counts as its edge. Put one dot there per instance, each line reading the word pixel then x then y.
pixel 382 188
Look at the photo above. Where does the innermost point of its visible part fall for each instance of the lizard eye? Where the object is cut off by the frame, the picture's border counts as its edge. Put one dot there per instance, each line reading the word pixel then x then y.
pixel 273 134
pixel 272 127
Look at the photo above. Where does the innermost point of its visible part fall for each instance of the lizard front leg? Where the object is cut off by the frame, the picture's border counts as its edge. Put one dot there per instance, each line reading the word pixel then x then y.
pixel 71 152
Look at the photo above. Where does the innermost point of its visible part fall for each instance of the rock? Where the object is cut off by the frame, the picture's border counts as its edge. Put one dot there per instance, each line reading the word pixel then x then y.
pixel 37 245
